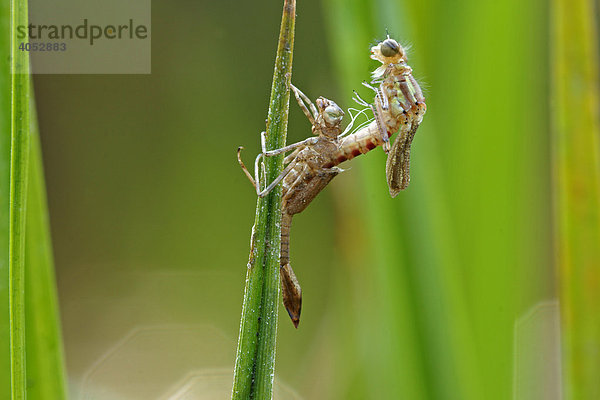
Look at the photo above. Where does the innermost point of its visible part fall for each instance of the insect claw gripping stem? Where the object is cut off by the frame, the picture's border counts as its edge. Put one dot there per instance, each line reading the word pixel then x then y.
pixel 277 180
pixel 263 141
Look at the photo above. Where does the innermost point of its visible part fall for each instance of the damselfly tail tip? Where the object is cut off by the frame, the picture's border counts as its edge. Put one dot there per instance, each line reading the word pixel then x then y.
pixel 396 189
pixel 292 293
pixel 295 317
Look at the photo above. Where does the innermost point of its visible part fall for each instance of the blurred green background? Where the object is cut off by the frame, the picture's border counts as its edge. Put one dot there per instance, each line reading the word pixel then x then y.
pixel 416 297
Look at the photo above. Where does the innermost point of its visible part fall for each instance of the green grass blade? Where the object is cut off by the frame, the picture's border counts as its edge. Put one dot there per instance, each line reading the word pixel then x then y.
pixel 31 321
pixel 576 132
pixel 470 243
pixel 255 358
pixel 45 365
pixel 4 199
pixel 20 136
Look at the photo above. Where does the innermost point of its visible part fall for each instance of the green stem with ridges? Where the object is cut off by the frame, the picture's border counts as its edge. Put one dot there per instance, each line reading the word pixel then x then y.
pixel 255 358
pixel 5 121
pixel 20 127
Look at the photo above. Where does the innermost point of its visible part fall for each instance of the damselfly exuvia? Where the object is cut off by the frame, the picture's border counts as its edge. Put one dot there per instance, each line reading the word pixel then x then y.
pixel 399 106
pixel 308 169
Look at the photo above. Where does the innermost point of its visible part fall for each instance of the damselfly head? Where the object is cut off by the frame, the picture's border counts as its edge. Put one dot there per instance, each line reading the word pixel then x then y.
pixel 389 48
pixel 388 51
pixel 331 113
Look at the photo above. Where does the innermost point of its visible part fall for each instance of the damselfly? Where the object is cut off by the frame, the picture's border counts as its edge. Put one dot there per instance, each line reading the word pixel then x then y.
pixel 399 106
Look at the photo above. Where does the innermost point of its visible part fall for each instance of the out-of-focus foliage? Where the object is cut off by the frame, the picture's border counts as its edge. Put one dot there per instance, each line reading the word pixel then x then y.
pixel 32 359
pixel 452 259
pixel 43 337
pixel 576 157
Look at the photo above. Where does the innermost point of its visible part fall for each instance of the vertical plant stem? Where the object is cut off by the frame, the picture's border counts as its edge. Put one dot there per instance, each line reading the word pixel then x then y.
pixel 18 195
pixel 577 191
pixel 5 81
pixel 255 358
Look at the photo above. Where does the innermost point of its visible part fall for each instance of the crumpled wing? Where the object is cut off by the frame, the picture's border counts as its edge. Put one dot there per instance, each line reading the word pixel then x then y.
pixel 397 167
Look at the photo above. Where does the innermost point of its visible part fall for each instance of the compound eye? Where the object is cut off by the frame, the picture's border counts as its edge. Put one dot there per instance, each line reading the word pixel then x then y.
pixel 333 114
pixel 389 48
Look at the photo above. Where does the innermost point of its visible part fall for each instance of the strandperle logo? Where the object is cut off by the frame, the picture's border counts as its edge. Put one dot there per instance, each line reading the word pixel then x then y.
pixel 84 31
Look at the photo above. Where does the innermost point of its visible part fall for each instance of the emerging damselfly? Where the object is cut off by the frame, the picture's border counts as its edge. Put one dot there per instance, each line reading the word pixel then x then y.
pixel 399 105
